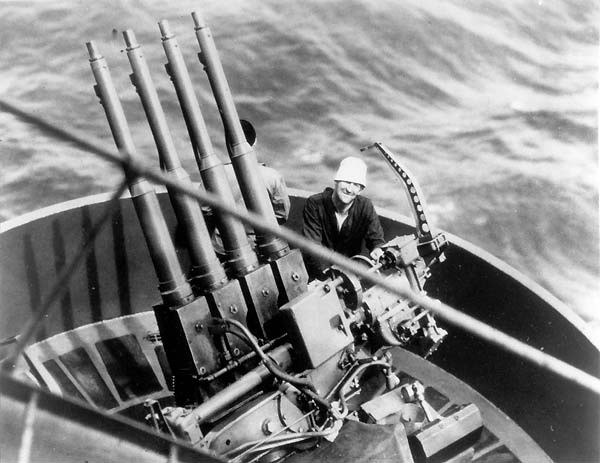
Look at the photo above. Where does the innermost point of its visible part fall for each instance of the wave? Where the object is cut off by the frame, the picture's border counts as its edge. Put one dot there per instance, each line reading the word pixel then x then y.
pixel 491 105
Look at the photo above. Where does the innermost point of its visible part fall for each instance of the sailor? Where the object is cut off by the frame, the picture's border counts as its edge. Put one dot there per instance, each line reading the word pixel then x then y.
pixel 341 219
pixel 273 180
pixel 274 184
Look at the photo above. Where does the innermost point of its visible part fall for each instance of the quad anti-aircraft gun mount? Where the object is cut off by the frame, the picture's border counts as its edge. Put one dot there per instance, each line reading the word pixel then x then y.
pixel 262 362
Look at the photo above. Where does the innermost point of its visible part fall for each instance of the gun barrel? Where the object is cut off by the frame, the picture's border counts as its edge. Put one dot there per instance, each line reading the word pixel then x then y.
pixel 238 252
pixel 242 154
pixel 206 272
pixel 174 288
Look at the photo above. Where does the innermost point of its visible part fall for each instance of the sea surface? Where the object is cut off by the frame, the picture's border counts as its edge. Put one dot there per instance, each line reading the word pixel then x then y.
pixel 492 105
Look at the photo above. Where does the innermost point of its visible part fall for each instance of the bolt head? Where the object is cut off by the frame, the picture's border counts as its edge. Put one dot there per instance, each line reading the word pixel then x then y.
pixel 268 427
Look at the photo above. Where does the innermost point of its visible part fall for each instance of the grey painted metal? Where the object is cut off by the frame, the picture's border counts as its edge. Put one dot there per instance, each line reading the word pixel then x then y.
pixel 411 188
pixel 61 430
pixel 534 399
pixel 561 416
pixel 449 314
pixel 60 287
pixel 238 253
pixel 141 375
pixel 206 270
pixel 238 389
pixel 242 155
pixel 173 286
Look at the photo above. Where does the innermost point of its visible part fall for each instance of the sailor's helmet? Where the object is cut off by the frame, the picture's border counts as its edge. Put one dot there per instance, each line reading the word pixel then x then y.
pixel 353 170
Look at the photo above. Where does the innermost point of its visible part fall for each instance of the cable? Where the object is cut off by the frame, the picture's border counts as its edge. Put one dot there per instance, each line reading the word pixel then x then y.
pixel 276 440
pixel 270 364
pixel 240 336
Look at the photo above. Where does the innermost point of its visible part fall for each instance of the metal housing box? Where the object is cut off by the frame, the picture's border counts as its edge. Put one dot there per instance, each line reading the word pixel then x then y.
pixel 185 336
pixel 228 302
pixel 317 326
pixel 290 274
pixel 260 291
pixel 452 434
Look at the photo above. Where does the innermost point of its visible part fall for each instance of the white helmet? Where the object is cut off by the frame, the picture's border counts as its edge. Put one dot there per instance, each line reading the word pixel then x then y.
pixel 352 170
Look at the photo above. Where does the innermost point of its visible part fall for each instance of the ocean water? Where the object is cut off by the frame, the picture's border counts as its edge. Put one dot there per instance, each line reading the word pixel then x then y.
pixel 492 105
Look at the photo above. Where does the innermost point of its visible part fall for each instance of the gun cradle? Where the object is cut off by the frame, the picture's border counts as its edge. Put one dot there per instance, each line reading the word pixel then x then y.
pixel 339 355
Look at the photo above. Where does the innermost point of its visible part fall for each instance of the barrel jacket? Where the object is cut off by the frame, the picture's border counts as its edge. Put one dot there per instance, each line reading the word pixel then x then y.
pixel 278 196
pixel 362 226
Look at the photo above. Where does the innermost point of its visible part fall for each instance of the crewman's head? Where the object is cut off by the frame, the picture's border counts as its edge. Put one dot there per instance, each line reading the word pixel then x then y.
pixel 350 179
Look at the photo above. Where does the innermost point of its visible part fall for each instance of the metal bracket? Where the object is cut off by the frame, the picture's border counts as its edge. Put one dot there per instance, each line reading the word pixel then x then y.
pixel 412 189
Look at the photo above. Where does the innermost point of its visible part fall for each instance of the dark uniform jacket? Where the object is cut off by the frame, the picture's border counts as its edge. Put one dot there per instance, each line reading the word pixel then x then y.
pixel 320 225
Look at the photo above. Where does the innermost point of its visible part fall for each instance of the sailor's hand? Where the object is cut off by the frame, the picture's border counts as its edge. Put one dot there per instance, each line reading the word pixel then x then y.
pixel 376 254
